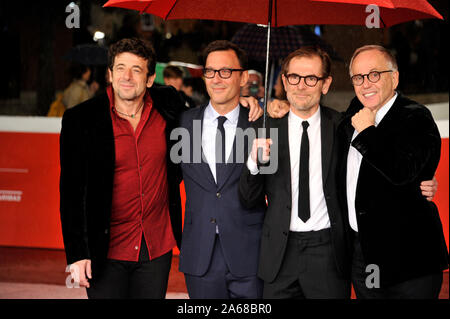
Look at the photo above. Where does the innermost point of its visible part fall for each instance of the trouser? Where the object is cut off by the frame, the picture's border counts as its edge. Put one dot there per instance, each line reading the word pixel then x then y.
pixel 144 279
pixel 424 287
pixel 308 270
pixel 219 283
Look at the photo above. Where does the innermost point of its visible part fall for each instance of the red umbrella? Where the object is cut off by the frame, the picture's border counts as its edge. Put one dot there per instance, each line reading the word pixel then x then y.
pixel 285 12
pixel 278 13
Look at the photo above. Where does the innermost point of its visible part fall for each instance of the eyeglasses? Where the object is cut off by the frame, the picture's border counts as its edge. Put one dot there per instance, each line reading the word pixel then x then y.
pixel 374 77
pixel 224 73
pixel 310 80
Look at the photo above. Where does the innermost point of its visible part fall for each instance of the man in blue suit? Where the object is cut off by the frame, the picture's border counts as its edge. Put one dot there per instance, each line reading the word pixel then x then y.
pixel 221 239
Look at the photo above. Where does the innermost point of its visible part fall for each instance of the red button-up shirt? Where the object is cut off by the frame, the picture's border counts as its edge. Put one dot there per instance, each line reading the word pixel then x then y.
pixel 140 192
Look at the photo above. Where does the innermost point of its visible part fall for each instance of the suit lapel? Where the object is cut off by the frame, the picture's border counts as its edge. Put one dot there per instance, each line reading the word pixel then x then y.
pixel 327 140
pixel 284 157
pixel 199 168
pixel 103 128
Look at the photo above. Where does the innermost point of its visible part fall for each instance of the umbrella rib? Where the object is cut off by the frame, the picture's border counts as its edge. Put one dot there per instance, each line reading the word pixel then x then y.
pixel 146 7
pixel 384 24
pixel 170 11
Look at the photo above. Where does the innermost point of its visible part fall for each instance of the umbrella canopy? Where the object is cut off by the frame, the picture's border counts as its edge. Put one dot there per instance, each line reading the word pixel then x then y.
pixel 283 40
pixel 88 54
pixel 284 12
pixel 277 13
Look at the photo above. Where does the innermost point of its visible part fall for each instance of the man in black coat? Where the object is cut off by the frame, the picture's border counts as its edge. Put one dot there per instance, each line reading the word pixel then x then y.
pixel 389 145
pixel 120 216
pixel 304 244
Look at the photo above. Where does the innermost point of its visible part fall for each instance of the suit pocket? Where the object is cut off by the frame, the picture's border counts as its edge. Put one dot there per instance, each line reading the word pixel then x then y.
pixel 253 219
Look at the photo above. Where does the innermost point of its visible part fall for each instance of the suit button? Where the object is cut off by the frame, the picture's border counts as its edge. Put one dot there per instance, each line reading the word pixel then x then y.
pixel 218 195
pixel 288 206
pixel 213 220
pixel 106 231
pixel 285 233
pixel 361 213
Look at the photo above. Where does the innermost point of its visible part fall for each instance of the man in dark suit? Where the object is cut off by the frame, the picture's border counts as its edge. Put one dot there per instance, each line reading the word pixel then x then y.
pixel 120 199
pixel 304 248
pixel 220 246
pixel 390 144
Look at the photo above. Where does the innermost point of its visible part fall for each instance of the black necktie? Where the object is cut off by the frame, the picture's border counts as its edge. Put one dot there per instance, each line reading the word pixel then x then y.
pixel 303 182
pixel 220 146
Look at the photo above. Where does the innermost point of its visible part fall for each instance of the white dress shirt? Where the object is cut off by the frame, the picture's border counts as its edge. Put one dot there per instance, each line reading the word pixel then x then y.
pixel 319 214
pixel 354 159
pixel 209 132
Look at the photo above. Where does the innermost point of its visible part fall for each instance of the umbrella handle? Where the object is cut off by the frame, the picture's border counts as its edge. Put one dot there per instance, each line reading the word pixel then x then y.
pixel 266 75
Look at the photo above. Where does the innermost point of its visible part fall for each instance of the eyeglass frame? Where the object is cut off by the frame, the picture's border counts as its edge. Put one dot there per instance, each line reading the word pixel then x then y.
pixel 286 75
pixel 367 75
pixel 219 71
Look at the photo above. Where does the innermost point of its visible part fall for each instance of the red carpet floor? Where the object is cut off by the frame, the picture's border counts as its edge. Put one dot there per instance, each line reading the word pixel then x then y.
pixel 48 266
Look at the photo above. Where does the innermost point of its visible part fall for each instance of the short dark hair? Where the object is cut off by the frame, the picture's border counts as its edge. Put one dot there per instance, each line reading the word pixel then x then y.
pixel 172 72
pixel 77 70
pixel 225 45
pixel 141 48
pixel 309 51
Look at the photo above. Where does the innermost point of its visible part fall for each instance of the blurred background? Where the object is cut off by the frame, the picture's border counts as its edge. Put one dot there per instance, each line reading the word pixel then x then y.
pixel 36 42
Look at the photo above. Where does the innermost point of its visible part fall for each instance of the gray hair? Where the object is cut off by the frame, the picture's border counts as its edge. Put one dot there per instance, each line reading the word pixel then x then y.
pixel 392 62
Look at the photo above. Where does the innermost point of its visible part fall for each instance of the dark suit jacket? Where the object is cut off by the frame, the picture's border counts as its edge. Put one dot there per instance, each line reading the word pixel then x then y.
pixel 208 205
pixel 399 230
pixel 277 188
pixel 87 158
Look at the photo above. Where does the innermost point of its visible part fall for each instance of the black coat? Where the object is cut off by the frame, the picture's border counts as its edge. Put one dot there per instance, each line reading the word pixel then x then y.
pixel 277 187
pixel 399 230
pixel 87 155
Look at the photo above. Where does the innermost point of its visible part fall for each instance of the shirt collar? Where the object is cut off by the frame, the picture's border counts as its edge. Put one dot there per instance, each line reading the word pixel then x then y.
pixel 384 109
pixel 313 120
pixel 211 114
pixel 110 92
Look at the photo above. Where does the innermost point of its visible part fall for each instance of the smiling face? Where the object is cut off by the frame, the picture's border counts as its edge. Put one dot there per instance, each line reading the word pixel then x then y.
pixel 129 77
pixel 374 95
pixel 224 93
pixel 304 100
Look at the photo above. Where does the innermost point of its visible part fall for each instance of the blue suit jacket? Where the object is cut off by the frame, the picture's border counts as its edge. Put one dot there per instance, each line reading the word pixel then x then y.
pixel 209 204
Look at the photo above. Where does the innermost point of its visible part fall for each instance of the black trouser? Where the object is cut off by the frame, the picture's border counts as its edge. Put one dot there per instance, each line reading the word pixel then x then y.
pixel 424 287
pixel 144 279
pixel 308 269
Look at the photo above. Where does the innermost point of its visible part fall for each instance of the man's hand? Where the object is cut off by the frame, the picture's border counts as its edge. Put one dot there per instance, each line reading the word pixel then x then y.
pixel 363 119
pixel 81 271
pixel 429 188
pixel 264 144
pixel 255 110
pixel 278 108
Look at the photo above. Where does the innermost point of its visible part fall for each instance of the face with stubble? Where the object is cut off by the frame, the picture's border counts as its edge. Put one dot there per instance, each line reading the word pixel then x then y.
pixel 129 77
pixel 304 100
